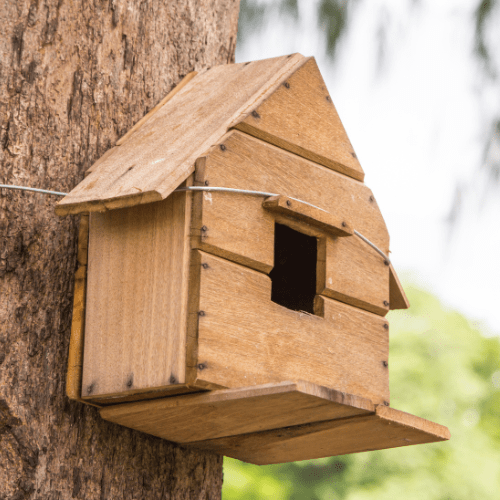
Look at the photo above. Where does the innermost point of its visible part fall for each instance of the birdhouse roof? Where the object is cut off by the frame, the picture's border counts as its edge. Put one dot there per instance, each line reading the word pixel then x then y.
pixel 283 101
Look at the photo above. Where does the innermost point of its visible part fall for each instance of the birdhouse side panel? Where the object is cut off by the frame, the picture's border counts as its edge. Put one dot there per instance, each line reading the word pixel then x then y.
pixel 245 339
pixel 238 227
pixel 137 299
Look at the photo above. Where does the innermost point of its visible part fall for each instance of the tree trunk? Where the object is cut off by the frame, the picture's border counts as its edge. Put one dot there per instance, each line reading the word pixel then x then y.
pixel 74 77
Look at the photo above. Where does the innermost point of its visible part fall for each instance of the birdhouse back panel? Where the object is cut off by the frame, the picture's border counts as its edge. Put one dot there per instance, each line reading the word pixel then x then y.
pixel 239 228
pixel 244 338
pixel 136 308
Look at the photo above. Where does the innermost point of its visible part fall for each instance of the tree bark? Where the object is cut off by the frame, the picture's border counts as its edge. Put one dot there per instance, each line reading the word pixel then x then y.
pixel 74 77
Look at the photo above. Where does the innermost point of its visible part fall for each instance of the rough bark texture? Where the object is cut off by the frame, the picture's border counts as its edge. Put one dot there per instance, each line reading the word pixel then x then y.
pixel 74 77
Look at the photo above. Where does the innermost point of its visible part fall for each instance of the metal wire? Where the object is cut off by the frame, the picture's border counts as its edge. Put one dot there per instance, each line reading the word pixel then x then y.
pixel 375 247
pixel 242 191
pixel 210 188
pixel 263 193
pixel 36 190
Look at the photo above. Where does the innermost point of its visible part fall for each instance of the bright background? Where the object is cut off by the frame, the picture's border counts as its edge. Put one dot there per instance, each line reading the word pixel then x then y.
pixel 415 84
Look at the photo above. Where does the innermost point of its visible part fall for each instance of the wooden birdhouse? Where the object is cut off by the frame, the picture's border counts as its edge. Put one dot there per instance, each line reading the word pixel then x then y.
pixel 233 292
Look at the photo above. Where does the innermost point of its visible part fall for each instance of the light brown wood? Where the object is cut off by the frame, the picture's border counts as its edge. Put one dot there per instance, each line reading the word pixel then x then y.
pixel 245 339
pixel 233 412
pixel 398 298
pixel 352 272
pixel 161 154
pixel 164 101
pixel 237 227
pixel 75 353
pixel 294 209
pixel 137 299
pixel 387 428
pixel 301 117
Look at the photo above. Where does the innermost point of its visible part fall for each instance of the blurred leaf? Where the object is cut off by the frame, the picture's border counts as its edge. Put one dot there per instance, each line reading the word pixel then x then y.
pixel 251 18
pixel 332 18
pixel 482 15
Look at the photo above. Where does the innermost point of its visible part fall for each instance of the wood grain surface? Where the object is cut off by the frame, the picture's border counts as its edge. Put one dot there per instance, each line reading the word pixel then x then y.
pixel 237 227
pixel 137 299
pixel 301 117
pixel 398 298
pixel 290 208
pixel 231 412
pixel 245 339
pixel 387 428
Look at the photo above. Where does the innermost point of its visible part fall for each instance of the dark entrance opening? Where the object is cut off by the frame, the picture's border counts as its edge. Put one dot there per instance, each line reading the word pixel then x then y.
pixel 294 273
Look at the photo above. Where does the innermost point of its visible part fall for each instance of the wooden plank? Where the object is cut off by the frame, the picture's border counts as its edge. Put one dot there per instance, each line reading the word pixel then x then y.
pixel 237 228
pixel 245 339
pixel 161 154
pixel 231 412
pixel 296 209
pixel 387 428
pixel 398 298
pixel 75 353
pixel 164 101
pixel 352 272
pixel 137 299
pixel 300 117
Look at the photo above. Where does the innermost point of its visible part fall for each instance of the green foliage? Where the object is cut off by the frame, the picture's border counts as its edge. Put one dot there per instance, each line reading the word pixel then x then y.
pixel 441 368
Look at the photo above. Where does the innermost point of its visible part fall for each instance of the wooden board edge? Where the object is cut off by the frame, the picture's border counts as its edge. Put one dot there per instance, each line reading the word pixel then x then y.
pixel 234 446
pixel 116 412
pixel 397 295
pixel 391 415
pixel 142 396
pixel 148 115
pixel 63 209
pixel 298 150
pixel 323 291
pixel 309 214
pixel 75 352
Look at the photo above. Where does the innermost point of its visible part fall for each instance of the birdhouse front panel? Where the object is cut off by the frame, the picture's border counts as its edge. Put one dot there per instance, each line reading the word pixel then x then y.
pixel 239 228
pixel 245 338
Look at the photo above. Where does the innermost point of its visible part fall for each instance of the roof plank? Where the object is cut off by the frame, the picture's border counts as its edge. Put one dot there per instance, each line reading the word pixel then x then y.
pixel 160 155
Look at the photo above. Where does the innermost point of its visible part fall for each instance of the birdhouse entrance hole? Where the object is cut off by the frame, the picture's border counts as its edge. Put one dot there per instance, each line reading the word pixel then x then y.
pixel 294 273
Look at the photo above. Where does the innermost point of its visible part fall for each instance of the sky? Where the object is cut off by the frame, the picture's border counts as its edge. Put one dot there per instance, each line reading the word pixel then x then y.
pixel 417 109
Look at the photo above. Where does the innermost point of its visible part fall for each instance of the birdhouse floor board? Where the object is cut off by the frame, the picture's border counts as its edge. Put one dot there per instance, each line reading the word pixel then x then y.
pixel 276 423
pixel 230 412
pixel 386 428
